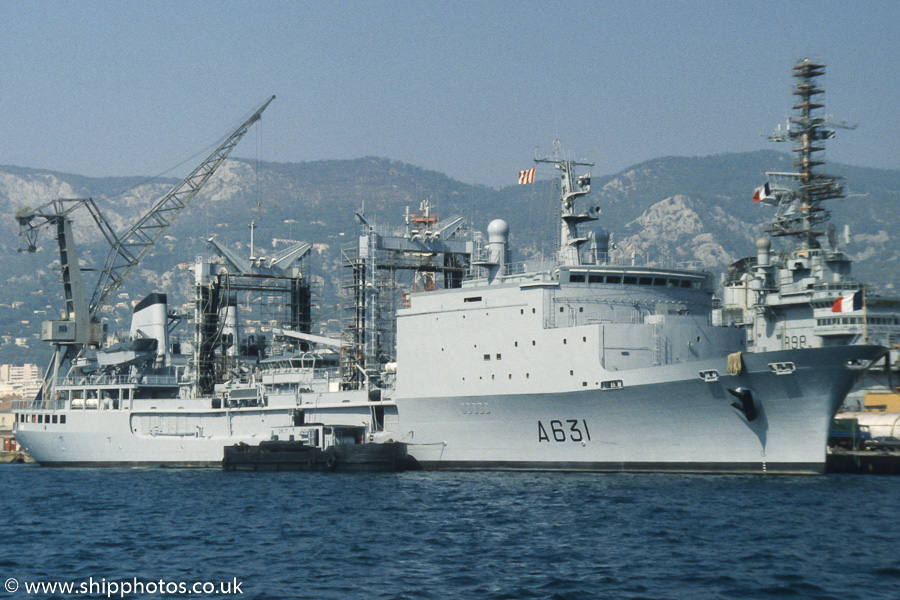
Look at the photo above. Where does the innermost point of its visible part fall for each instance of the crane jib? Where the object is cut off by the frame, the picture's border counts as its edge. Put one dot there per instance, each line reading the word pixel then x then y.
pixel 79 327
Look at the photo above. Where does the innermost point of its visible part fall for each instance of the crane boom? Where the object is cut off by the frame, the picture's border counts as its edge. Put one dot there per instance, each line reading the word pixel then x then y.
pixel 80 324
pixel 129 249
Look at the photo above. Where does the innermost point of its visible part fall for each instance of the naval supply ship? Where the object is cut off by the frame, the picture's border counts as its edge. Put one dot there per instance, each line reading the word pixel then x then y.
pixel 803 294
pixel 249 371
pixel 590 365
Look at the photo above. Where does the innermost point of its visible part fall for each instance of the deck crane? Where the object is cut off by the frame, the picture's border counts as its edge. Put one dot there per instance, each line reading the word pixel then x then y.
pixel 80 326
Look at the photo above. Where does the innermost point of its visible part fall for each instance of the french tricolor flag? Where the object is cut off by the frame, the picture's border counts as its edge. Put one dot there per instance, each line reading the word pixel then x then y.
pixel 848 303
pixel 763 192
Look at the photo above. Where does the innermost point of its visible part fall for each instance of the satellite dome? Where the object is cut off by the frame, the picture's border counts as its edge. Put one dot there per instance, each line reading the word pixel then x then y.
pixel 498 230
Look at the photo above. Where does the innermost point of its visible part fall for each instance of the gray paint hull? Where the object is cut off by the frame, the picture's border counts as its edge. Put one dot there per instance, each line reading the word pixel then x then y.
pixel 663 419
pixel 115 438
pixel 673 421
pixel 109 439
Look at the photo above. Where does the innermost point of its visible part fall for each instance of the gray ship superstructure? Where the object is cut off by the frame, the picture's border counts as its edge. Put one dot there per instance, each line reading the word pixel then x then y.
pixel 803 294
pixel 593 365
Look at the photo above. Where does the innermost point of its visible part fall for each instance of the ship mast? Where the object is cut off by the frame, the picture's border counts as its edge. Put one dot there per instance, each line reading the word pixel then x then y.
pixel 570 239
pixel 799 195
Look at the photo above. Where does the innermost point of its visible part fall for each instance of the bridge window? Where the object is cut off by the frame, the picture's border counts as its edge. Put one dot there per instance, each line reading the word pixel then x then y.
pixel 576 278
pixel 613 279
pixel 630 280
pixel 595 278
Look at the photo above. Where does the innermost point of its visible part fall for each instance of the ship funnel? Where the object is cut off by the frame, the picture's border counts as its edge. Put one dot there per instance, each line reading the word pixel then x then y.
pixel 149 320
pixel 229 319
pixel 763 245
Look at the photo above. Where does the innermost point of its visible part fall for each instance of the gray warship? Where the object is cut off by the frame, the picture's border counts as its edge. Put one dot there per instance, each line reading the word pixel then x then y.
pixel 596 366
pixel 804 295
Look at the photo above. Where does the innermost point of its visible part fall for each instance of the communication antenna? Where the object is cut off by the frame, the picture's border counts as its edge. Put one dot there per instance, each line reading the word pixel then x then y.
pixel 799 196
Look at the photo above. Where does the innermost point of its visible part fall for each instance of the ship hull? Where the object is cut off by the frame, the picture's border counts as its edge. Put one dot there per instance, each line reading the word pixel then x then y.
pixel 664 418
pixel 111 439
pixel 160 434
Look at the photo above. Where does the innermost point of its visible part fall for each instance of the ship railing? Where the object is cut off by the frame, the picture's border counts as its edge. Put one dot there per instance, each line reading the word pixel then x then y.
pixel 621 259
pixel 48 404
pixel 837 287
pixel 106 379
pixel 539 265
pixel 509 269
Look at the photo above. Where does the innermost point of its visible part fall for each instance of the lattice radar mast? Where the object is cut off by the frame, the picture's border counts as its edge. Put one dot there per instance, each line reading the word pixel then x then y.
pixel 798 196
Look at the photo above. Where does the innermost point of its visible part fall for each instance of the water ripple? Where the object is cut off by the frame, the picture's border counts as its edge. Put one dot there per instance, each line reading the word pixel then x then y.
pixel 423 536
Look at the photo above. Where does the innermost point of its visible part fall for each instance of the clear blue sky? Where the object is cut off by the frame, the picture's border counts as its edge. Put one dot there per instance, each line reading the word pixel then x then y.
pixel 465 88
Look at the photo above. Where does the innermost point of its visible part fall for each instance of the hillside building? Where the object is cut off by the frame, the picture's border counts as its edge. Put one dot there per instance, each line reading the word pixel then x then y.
pixel 20 380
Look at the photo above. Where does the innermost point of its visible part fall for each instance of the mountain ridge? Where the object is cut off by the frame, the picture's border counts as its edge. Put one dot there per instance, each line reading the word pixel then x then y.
pixel 686 209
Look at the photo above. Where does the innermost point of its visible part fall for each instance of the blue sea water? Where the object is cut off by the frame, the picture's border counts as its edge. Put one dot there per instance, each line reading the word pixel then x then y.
pixel 453 535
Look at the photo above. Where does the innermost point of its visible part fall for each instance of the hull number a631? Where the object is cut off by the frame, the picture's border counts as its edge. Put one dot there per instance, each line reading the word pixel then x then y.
pixel 565 430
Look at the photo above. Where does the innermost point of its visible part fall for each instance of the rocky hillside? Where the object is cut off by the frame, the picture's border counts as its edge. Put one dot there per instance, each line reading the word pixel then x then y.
pixel 669 209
